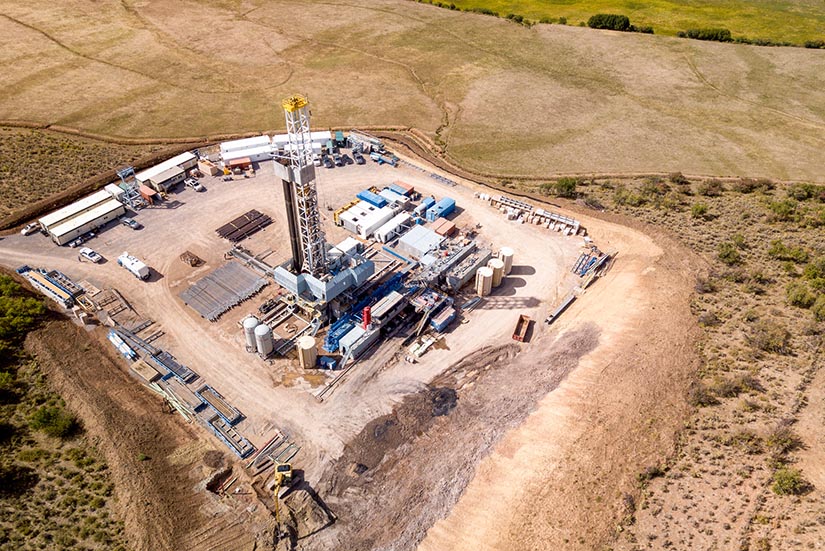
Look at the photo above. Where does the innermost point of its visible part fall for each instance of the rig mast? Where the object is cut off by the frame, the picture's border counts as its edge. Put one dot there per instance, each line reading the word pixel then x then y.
pixel 309 254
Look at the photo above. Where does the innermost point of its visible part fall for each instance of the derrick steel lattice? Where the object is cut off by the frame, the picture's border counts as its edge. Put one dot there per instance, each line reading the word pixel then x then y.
pixel 299 153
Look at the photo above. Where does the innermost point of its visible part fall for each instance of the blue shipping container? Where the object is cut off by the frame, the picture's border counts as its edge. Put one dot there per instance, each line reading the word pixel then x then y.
pixel 441 209
pixel 372 198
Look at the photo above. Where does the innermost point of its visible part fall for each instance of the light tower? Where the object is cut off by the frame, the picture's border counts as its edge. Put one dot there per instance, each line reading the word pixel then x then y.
pixel 309 253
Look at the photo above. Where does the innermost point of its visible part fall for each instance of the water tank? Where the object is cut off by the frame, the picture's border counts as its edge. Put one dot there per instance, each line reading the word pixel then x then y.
pixel 484 281
pixel 506 255
pixel 249 325
pixel 263 340
pixel 497 265
pixel 307 352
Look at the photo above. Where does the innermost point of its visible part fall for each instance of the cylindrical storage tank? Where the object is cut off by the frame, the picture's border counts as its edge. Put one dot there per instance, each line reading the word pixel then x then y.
pixel 484 281
pixel 307 352
pixel 263 340
pixel 506 256
pixel 497 265
pixel 249 325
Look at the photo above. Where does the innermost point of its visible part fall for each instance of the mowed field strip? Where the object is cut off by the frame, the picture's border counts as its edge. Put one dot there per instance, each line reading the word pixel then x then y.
pixel 498 97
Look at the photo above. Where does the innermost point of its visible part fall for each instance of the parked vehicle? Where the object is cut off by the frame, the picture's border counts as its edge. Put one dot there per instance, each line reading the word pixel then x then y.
pixel 194 184
pixel 132 223
pixel 337 159
pixel 90 254
pixel 328 162
pixel 347 159
pixel 29 228
pixel 358 157
pixel 76 243
pixel 316 160
pixel 135 266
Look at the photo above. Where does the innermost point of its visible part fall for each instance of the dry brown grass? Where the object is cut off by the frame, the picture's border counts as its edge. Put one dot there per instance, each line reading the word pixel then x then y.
pixel 498 97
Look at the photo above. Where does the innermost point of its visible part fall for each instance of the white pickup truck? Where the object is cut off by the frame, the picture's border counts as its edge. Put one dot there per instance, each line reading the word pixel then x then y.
pixel 135 266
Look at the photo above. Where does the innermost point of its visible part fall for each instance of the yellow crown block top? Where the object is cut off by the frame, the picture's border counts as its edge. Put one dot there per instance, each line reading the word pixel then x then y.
pixel 294 102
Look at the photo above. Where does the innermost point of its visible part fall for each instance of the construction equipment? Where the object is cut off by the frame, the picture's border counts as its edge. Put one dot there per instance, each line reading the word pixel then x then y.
pixel 283 479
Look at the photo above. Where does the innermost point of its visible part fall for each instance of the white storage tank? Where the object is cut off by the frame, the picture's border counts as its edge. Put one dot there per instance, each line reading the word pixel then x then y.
pixel 307 352
pixel 497 265
pixel 484 281
pixel 506 255
pixel 263 339
pixel 249 325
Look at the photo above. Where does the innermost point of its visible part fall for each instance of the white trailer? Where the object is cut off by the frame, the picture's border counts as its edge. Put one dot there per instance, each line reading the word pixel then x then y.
pixel 386 232
pixel 135 266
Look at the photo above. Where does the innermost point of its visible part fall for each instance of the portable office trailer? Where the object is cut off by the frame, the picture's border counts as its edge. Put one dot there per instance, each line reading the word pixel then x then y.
pixel 356 213
pixel 77 208
pixel 387 231
pixel 184 162
pixel 88 221
pixel 115 191
pixel 366 227
pixel 167 179
pixel 244 144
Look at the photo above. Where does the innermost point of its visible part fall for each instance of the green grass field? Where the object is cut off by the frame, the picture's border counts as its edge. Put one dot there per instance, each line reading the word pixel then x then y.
pixel 794 21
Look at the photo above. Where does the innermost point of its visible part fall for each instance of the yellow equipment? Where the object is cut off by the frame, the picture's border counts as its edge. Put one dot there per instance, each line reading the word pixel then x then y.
pixel 283 477
pixel 294 102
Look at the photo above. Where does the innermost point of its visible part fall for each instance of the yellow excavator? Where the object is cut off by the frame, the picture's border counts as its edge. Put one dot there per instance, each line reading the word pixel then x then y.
pixel 283 478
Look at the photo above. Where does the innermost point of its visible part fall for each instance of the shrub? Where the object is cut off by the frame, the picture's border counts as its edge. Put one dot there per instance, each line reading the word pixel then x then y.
pixel 711 188
pixel 718 35
pixel 54 421
pixel 699 210
pixel 788 481
pixel 799 295
pixel 609 21
pixel 816 44
pixel 771 337
pixel 678 178
pixel 704 286
pixel 729 254
pixel 818 308
pixel 566 187
pixel 749 185
pixel 784 210
pixel 699 395
pixel 647 29
pixel 814 272
pixel 803 192
pixel 562 21
pixel 782 440
pixel 780 251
